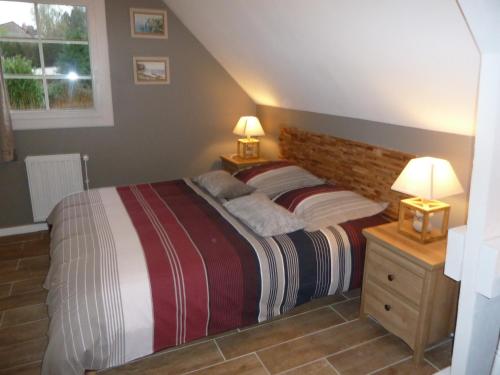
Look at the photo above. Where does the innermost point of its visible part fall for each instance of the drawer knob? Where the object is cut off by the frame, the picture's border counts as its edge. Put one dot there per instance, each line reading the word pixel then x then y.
pixel 387 307
pixel 390 277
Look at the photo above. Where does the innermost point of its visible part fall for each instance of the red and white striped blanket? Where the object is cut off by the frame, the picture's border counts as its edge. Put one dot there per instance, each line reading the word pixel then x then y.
pixel 141 268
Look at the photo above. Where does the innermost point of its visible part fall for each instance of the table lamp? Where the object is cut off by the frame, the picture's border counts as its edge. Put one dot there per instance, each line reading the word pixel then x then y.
pixel 248 126
pixel 427 179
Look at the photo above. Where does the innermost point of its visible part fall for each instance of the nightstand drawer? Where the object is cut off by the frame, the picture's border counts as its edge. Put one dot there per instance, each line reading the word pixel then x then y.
pixel 394 275
pixel 396 316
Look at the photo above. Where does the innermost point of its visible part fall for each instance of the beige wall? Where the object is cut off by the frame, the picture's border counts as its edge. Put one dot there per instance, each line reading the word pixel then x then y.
pixel 160 132
pixel 458 149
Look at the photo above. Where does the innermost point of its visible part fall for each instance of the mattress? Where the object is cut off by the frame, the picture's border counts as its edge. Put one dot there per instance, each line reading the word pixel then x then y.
pixel 141 268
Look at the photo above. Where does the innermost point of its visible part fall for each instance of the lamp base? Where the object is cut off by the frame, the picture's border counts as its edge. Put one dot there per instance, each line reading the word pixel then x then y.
pixel 414 219
pixel 248 148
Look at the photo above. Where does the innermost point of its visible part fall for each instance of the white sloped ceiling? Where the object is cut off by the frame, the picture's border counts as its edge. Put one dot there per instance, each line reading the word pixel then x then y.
pixel 404 62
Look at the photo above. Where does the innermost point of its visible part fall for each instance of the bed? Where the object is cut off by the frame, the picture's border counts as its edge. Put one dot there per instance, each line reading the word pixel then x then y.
pixel 137 269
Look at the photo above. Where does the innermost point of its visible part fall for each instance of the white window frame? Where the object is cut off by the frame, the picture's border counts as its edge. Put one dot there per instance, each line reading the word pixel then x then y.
pixel 102 112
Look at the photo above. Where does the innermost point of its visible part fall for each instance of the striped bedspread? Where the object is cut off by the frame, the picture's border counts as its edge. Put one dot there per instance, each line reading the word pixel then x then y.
pixel 141 268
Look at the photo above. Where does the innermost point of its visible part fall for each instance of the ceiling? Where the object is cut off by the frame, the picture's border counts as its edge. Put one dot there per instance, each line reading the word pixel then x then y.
pixel 404 62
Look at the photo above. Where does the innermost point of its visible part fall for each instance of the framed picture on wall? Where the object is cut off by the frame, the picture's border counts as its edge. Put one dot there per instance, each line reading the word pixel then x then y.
pixel 148 23
pixel 151 71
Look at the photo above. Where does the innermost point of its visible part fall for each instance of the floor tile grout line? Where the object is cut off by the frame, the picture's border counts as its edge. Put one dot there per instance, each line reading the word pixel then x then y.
pixel 356 346
pixel 441 343
pixel 281 319
pixel 390 365
pixel 300 366
pixel 306 335
pixel 344 301
pixel 431 364
pixel 331 354
pixel 262 363
pixel 342 316
pixel 213 365
pixel 332 366
pixel 218 348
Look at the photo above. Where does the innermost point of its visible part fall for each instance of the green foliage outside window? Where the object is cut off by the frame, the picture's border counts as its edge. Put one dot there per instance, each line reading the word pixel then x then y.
pixel 23 93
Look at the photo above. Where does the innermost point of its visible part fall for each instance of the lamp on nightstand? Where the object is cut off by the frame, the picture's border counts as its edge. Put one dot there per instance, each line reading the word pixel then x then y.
pixel 428 179
pixel 248 126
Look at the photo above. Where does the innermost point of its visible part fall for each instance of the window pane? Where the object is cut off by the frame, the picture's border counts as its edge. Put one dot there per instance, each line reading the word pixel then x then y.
pixel 20 58
pixel 25 94
pixel 17 20
pixel 62 22
pixel 63 59
pixel 70 94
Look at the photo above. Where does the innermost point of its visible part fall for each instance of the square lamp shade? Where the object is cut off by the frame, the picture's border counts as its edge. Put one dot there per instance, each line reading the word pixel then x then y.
pixel 248 126
pixel 427 179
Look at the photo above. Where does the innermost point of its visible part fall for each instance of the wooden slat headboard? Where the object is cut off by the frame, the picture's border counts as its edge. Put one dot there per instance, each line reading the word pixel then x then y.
pixel 366 169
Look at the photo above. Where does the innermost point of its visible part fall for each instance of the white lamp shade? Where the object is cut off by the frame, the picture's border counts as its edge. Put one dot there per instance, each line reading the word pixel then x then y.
pixel 428 178
pixel 248 126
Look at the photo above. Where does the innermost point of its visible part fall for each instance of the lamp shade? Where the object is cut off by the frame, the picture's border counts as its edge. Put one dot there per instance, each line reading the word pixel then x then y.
pixel 248 126
pixel 428 178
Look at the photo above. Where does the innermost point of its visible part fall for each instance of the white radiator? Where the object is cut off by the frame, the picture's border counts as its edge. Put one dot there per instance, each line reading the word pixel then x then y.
pixel 51 178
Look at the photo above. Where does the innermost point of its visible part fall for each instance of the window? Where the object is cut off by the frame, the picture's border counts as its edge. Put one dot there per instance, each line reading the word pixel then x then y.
pixel 55 63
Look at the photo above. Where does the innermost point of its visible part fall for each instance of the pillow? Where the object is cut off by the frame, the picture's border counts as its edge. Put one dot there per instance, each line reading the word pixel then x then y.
pixel 326 205
pixel 221 184
pixel 276 177
pixel 263 216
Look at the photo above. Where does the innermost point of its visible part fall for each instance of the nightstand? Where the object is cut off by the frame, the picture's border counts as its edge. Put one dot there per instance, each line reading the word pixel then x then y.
pixel 233 163
pixel 405 289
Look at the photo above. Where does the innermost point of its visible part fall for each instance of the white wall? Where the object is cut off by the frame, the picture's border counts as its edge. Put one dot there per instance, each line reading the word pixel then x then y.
pixel 404 62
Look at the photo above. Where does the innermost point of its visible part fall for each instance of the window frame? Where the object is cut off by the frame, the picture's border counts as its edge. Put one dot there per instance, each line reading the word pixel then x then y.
pixel 101 115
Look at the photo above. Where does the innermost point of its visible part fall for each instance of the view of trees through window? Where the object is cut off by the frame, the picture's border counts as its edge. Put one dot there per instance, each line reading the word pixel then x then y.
pixel 45 56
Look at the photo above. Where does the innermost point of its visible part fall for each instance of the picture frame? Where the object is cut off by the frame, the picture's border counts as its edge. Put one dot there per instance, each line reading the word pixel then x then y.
pixel 151 70
pixel 148 23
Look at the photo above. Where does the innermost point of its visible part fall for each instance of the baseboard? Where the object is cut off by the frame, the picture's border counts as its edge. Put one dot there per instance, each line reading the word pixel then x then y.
pixel 22 229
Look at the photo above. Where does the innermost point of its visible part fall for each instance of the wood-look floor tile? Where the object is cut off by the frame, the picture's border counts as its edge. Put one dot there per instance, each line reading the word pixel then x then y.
pixel 318 345
pixel 14 302
pixel 18 238
pixel 24 332
pixel 5 290
pixel 247 365
pixel 11 252
pixel 277 331
pixel 320 367
pixel 370 356
pixel 8 265
pixel 34 368
pixel 28 286
pixel 440 356
pixel 35 248
pixel 348 309
pixel 315 304
pixel 20 354
pixel 24 315
pixel 38 263
pixel 173 362
pixel 15 275
pixel 408 367
pixel 352 293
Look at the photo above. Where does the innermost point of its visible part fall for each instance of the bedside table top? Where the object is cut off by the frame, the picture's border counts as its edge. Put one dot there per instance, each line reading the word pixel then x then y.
pixel 431 255
pixel 235 159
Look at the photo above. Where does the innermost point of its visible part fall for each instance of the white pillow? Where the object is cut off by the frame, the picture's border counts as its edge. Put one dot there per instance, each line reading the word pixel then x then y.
pixel 220 184
pixel 263 216
pixel 325 209
pixel 276 181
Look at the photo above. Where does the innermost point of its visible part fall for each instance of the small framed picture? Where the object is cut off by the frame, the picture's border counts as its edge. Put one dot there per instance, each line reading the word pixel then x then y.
pixel 151 71
pixel 148 23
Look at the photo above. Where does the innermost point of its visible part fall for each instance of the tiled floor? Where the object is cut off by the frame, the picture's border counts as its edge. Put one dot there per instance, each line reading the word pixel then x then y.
pixel 323 337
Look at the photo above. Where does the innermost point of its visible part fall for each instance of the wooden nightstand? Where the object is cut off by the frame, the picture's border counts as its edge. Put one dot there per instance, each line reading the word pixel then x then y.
pixel 405 289
pixel 233 163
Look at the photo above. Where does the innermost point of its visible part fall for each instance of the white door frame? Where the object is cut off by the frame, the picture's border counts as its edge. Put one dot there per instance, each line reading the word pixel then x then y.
pixel 478 321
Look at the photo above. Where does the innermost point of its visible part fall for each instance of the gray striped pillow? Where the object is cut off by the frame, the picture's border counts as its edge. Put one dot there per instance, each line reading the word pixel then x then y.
pixel 276 181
